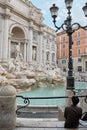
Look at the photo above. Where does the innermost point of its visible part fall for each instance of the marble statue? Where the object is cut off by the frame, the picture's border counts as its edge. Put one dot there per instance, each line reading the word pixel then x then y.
pixel 34 54
pixel 18 54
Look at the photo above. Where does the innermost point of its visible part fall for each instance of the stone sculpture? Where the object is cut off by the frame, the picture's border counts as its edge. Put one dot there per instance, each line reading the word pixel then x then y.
pixel 20 75
pixel 18 54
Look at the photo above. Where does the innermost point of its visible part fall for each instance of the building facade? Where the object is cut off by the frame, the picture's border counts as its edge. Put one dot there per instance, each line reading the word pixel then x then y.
pixel 22 31
pixel 79 53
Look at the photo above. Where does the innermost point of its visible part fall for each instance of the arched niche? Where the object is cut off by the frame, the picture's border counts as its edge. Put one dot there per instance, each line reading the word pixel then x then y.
pixel 17 41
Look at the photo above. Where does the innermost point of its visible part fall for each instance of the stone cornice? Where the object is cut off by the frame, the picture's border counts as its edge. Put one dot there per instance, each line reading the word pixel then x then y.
pixel 29 4
pixel 18 13
pixel 49 30
pixel 5 15
pixel 33 8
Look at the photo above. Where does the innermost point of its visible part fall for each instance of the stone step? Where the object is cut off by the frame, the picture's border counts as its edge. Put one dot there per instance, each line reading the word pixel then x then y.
pixel 48 128
pixel 42 124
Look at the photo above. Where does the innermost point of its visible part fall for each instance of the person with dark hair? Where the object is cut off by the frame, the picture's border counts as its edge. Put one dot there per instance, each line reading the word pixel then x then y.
pixel 72 114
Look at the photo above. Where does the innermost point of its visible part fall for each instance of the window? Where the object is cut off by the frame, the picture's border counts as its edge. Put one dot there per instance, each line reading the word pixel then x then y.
pixel 63 45
pixel 47 56
pixel 57 61
pixel 78 34
pixel 79 68
pixel 79 60
pixel 86 66
pixel 86 50
pixel 64 38
pixel 63 61
pixel 79 51
pixel 64 54
pixel 78 43
pixel 53 57
pixel 86 40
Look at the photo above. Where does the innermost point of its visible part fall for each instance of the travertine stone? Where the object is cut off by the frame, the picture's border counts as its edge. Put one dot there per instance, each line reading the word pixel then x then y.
pixel 43 124
pixel 7 108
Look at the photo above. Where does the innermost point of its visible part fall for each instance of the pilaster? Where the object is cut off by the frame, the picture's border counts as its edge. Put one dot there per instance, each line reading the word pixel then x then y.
pixel 50 58
pixel 1 36
pixel 5 49
pixel 45 51
pixel 30 43
pixel 9 47
pixel 25 51
pixel 40 47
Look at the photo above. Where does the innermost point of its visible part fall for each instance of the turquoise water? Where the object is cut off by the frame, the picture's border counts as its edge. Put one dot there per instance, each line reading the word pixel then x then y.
pixel 49 92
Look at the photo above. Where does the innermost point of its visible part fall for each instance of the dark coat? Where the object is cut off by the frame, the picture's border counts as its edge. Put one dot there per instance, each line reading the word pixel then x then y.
pixel 72 115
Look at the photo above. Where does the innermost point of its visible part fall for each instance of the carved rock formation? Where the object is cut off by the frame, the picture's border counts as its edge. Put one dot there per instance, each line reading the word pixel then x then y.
pixel 19 75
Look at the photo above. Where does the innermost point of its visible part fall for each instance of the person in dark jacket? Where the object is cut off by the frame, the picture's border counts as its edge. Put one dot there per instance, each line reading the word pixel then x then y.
pixel 72 114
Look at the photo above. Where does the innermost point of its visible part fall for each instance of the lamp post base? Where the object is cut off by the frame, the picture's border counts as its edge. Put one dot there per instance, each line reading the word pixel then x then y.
pixel 70 89
pixel 70 83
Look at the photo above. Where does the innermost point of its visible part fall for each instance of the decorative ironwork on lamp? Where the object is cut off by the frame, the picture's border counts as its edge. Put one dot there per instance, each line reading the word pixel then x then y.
pixel 69 28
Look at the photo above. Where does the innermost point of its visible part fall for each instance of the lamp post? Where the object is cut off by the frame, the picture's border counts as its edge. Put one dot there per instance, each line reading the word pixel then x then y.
pixel 69 28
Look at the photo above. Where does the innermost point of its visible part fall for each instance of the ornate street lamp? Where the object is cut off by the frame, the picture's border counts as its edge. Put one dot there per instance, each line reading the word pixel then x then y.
pixel 69 28
pixel 85 9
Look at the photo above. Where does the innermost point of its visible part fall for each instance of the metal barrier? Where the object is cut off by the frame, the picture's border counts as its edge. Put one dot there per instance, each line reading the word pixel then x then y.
pixel 27 100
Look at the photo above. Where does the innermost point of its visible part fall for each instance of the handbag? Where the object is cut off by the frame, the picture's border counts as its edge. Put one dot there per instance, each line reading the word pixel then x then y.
pixel 84 116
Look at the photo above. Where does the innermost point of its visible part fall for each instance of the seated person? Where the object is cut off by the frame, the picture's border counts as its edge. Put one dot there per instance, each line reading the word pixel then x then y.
pixel 72 114
pixel 83 120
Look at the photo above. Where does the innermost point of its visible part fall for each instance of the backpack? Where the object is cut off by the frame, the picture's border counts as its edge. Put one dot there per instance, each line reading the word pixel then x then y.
pixel 84 116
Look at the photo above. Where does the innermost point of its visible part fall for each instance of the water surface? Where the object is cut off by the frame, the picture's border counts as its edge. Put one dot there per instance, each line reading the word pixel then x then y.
pixel 49 92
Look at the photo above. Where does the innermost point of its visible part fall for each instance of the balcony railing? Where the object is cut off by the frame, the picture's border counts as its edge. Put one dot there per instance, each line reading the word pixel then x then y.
pixel 83 54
